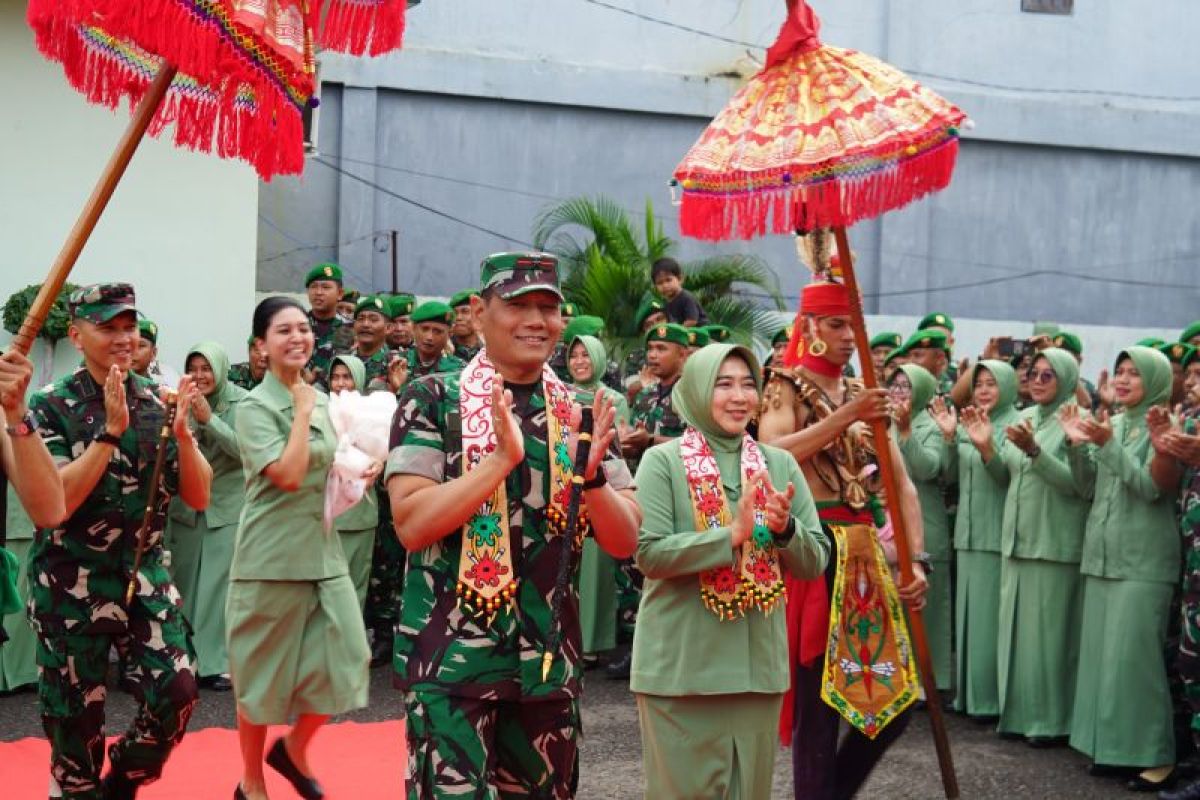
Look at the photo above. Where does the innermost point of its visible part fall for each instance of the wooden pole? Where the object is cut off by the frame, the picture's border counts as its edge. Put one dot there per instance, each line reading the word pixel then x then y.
pixel 892 485
pixel 86 223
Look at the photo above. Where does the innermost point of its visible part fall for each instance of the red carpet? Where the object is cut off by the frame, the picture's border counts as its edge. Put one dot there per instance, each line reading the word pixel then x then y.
pixel 353 762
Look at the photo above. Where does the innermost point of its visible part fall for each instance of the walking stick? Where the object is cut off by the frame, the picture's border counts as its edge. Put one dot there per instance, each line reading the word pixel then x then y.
pixel 164 437
pixel 96 203
pixel 879 429
pixel 566 560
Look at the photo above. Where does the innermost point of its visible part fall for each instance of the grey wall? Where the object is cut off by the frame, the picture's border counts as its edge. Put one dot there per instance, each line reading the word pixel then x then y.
pixel 1083 161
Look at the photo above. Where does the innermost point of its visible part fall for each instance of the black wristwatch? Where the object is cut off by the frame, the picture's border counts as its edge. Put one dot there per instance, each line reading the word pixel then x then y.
pixel 924 560
pixel 598 480
pixel 26 426
pixel 783 539
pixel 104 437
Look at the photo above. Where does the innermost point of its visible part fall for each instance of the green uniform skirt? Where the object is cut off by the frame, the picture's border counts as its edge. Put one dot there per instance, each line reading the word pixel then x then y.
pixel 977 623
pixel 358 547
pixel 1122 711
pixel 200 559
pixel 17 665
pixel 296 647
pixel 709 747
pixel 597 598
pixel 939 624
pixel 1038 648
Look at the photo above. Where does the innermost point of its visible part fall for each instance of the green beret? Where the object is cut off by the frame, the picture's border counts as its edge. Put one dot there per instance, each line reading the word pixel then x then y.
pixel 371 302
pixel 433 311
pixel 649 306
pixel 583 325
pixel 1178 352
pixel 783 337
pixel 718 333
pixel 148 330
pixel 698 337
pixel 1068 341
pixel 892 356
pixel 927 338
pixel 463 298
pixel 1150 341
pixel 886 339
pixel 100 302
pixel 513 274
pixel 401 305
pixel 569 310
pixel 1190 332
pixel 669 332
pixel 351 296
pixel 936 319
pixel 324 272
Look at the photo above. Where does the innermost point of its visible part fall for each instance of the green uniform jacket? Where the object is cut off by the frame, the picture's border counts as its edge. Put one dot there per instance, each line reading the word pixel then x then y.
pixel 682 648
pixel 926 457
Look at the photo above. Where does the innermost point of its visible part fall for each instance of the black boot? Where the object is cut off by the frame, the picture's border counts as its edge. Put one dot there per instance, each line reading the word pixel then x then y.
pixel 381 648
pixel 619 669
pixel 1189 792
pixel 118 787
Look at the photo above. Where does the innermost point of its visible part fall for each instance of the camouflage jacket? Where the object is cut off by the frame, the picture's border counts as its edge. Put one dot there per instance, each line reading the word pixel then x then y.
pixel 1189 520
pixel 445 364
pixel 79 571
pixel 240 375
pixel 466 352
pixel 652 407
pixel 632 366
pixel 438 647
pixel 332 337
pixel 376 364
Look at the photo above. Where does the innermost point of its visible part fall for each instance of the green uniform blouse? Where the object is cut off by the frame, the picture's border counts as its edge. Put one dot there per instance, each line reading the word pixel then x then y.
pixel 682 648
pixel 926 457
pixel 282 534
pixel 219 445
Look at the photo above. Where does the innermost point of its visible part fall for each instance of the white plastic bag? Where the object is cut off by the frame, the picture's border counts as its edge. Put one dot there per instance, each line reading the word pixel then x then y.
pixel 363 424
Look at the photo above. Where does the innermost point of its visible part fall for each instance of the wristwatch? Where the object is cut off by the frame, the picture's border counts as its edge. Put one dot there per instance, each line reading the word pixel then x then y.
pixel 598 480
pixel 26 426
pixel 925 561
pixel 104 437
pixel 782 539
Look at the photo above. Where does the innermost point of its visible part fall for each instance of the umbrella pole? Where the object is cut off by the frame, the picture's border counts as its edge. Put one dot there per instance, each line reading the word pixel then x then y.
pixel 879 429
pixel 86 223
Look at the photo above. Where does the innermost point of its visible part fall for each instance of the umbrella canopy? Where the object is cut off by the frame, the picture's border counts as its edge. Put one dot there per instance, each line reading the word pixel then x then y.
pixel 821 136
pixel 246 68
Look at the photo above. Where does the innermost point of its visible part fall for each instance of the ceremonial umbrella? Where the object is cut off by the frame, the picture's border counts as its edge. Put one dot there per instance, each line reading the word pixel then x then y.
pixel 823 137
pixel 233 76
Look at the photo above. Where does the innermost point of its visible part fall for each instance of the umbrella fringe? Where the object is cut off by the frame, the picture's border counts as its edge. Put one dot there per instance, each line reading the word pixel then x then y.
pixel 753 211
pixel 359 27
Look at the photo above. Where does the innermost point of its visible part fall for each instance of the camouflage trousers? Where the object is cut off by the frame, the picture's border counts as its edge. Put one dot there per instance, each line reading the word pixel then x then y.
pixel 1188 659
pixel 466 747
pixel 629 597
pixel 71 691
pixel 388 557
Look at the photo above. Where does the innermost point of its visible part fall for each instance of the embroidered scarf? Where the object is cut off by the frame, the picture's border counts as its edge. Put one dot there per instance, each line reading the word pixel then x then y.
pixel 755 579
pixel 487 581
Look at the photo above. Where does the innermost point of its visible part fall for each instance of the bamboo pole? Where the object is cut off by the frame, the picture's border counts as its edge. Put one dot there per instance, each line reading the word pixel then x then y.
pixel 892 485
pixel 90 215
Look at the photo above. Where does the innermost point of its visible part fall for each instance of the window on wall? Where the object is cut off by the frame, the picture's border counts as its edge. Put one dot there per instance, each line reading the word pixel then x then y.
pixel 1048 6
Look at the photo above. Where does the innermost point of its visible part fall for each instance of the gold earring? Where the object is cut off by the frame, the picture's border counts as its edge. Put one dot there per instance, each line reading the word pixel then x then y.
pixel 818 347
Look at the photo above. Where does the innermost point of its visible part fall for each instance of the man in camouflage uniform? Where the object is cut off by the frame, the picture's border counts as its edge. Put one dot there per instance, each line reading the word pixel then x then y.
pixel 249 373
pixel 431 335
pixel 101 424
pixel 466 339
pixel 333 334
pixel 372 322
pixel 400 337
pixel 481 720
pixel 942 323
pixel 650 313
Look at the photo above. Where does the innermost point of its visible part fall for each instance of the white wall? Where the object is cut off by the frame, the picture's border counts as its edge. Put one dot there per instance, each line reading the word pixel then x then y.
pixel 181 227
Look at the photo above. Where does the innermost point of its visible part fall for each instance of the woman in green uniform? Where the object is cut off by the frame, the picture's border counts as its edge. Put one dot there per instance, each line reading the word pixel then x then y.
pixel 1040 544
pixel 710 652
pixel 1122 715
pixel 586 361
pixel 927 459
pixel 982 489
pixel 201 542
pixel 356 525
pixel 297 646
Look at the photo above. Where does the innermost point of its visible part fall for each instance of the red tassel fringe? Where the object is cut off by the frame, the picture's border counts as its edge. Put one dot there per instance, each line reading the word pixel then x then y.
pixel 747 214
pixel 358 27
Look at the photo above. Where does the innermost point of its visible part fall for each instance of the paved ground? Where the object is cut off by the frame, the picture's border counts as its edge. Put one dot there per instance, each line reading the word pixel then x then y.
pixel 611 754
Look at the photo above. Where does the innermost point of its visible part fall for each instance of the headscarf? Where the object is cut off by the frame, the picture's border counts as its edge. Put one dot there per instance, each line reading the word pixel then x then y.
pixel 1157 379
pixel 692 399
pixel 1004 413
pixel 596 354
pixel 358 370
pixel 924 387
pixel 1066 370
pixel 223 392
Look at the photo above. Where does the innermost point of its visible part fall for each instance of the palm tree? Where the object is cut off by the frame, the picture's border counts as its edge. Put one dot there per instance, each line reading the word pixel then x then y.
pixel 607 274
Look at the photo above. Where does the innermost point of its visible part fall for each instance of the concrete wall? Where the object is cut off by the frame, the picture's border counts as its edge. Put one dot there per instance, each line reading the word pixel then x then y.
pixel 181 227
pixel 1072 200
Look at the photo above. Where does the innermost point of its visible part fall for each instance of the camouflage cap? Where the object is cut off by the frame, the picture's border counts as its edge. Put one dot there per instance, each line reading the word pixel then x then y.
pixel 371 302
pixel 783 336
pixel 463 298
pixel 936 320
pixel 401 305
pixel 698 337
pixel 513 274
pixel 648 307
pixel 1178 352
pixel 886 339
pixel 148 330
pixel 669 332
pixel 569 310
pixel 434 311
pixel 324 272
pixel 718 333
pixel 100 302
pixel 1068 341
pixel 927 338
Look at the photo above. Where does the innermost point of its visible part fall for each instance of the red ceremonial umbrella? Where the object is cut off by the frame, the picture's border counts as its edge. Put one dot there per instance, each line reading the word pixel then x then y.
pixel 823 137
pixel 233 76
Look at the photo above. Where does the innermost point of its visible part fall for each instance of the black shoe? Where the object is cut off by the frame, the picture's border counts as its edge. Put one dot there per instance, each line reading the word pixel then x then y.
pixel 619 669
pixel 118 787
pixel 381 651
pixel 1139 784
pixel 217 683
pixel 1011 736
pixel 1108 771
pixel 281 762
pixel 1189 792
pixel 238 794
pixel 984 719
pixel 1045 742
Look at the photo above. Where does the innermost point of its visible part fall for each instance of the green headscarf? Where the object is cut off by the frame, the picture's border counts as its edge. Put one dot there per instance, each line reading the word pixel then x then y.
pixel 223 391
pixel 1006 381
pixel 1157 378
pixel 924 387
pixel 1066 369
pixel 596 354
pixel 692 399
pixel 358 370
